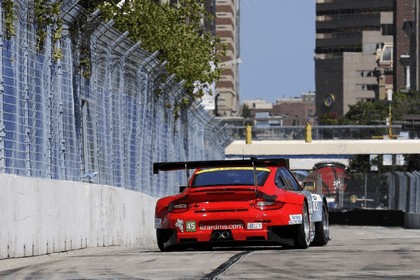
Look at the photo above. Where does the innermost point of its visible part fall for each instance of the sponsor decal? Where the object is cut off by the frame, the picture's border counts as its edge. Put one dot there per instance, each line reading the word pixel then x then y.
pixel 180 224
pixel 254 226
pixel 158 222
pixel 316 205
pixel 295 219
pixel 190 226
pixel 221 227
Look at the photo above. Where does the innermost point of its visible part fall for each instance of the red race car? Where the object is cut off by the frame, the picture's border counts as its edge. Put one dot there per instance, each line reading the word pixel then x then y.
pixel 239 202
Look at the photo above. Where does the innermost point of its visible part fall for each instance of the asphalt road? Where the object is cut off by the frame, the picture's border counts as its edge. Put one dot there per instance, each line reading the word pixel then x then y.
pixel 353 252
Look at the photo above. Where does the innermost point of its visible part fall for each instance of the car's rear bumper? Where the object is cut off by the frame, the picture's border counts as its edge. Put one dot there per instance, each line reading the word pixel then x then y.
pixel 250 226
pixel 278 235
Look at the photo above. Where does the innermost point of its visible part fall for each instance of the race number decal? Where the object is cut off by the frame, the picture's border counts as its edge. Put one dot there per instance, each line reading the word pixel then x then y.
pixel 190 226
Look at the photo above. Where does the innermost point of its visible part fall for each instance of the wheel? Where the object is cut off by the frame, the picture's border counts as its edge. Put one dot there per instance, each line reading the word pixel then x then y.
pixel 322 229
pixel 162 237
pixel 303 237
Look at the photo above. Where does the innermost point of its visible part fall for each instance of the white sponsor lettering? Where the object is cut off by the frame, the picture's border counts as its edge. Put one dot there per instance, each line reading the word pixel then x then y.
pixel 295 219
pixel 221 227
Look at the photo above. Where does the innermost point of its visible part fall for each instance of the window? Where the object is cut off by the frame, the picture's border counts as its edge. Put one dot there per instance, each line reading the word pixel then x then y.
pixel 230 176
pixel 387 29
pixel 286 181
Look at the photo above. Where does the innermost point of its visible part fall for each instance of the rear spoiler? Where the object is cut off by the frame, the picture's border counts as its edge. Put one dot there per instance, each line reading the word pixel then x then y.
pixel 253 162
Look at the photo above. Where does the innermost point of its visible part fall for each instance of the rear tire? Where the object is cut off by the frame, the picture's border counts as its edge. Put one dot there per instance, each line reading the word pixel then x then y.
pixel 162 237
pixel 303 237
pixel 322 229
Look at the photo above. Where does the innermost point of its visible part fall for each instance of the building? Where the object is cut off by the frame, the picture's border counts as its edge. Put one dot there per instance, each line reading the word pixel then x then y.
pixel 296 111
pixel 412 60
pixel 351 36
pixel 292 111
pixel 404 14
pixel 224 100
pixel 258 105
pixel 227 29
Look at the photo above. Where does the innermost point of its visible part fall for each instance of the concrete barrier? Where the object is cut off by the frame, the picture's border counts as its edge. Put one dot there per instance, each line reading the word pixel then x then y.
pixel 412 220
pixel 367 217
pixel 39 216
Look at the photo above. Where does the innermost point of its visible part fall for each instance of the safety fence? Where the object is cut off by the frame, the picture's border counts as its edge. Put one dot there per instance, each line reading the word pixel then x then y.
pixel 322 132
pixel 373 190
pixel 86 107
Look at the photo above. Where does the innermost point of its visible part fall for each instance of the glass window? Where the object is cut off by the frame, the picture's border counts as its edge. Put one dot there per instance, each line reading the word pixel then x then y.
pixel 285 180
pixel 230 176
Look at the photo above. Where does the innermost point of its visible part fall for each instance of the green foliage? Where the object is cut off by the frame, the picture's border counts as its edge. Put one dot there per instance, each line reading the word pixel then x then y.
pixel 8 7
pixel 405 104
pixel 367 113
pixel 47 14
pixel 412 162
pixel 360 163
pixel 176 32
pixel 246 112
pixel 375 112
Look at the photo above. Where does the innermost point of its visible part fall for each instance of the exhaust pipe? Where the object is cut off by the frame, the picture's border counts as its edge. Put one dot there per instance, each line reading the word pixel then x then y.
pixel 219 235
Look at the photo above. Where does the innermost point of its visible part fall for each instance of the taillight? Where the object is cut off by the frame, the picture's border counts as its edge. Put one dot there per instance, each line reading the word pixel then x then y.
pixel 268 205
pixel 178 208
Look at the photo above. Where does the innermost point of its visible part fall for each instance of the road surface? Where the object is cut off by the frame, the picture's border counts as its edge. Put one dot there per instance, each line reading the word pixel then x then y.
pixel 353 252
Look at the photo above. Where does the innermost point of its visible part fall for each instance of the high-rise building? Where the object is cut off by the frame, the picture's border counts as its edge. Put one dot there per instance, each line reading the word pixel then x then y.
pixel 404 13
pixel 412 59
pixel 227 29
pixel 225 25
pixel 354 55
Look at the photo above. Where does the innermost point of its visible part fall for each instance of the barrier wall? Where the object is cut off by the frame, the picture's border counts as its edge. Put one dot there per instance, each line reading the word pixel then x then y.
pixel 100 110
pixel 42 216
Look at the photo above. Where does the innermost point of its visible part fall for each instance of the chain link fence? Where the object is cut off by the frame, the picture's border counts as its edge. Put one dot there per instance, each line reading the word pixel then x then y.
pixel 104 122
pixel 374 190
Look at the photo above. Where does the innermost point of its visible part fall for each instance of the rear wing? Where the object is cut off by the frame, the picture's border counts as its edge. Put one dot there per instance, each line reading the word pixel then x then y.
pixel 253 162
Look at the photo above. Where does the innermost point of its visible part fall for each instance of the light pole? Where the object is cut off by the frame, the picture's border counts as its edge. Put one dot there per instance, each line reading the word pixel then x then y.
pixel 389 95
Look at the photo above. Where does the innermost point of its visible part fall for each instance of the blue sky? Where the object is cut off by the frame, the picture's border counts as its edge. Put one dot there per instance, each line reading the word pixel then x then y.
pixel 277 48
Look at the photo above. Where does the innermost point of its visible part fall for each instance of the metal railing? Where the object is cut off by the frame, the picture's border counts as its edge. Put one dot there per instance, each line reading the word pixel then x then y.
pixel 318 132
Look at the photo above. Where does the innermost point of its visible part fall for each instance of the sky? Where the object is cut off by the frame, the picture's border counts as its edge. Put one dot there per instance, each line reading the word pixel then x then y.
pixel 277 42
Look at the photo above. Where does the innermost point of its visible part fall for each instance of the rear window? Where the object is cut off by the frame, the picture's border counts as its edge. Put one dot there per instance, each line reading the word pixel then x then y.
pixel 230 176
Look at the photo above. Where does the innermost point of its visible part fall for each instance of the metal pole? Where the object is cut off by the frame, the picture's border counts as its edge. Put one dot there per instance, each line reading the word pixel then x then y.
pixel 365 200
pixel 390 122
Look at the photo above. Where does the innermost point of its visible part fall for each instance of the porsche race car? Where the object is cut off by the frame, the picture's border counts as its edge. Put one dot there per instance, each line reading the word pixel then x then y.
pixel 239 202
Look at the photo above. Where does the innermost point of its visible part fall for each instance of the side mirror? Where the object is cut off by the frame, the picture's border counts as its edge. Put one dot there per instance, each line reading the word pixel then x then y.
pixel 182 188
pixel 309 186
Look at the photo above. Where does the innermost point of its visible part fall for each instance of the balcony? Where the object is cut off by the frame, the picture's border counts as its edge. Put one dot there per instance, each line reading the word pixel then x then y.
pixel 340 40
pixel 349 20
pixel 334 5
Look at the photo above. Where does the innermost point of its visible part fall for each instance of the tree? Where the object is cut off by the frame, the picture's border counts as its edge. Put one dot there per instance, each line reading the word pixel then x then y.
pixel 372 112
pixel 246 112
pixel 366 113
pixel 176 32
